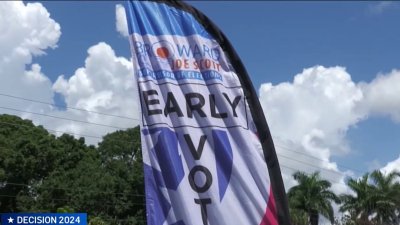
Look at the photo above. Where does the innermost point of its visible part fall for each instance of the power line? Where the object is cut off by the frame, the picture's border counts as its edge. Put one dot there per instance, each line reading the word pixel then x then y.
pixel 302 153
pixel 90 136
pixel 284 147
pixel 140 195
pixel 96 192
pixel 68 107
pixel 332 181
pixel 130 142
pixel 62 118
pixel 311 156
pixel 15 196
pixel 70 200
pixel 309 164
pixel 55 131
pixel 64 132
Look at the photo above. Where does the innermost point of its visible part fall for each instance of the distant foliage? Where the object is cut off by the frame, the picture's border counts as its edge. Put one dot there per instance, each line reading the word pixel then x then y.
pixel 375 200
pixel 43 173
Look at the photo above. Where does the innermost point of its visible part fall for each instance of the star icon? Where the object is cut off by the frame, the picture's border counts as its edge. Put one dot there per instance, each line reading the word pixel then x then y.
pixel 10 220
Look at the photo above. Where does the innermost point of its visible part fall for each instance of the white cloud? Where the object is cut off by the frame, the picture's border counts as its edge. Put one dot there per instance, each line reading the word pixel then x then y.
pixel 310 116
pixel 105 84
pixel 96 86
pixel 26 30
pixel 121 22
pixel 315 110
pixel 380 7
pixel 382 95
pixel 392 166
pixel 373 165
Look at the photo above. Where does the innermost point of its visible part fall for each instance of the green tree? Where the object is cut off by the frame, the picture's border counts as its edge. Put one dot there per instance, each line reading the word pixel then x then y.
pixel 79 181
pixel 361 204
pixel 386 191
pixel 41 172
pixel 97 221
pixel 106 182
pixel 312 196
pixel 376 199
pixel 65 209
pixel 121 157
pixel 298 217
pixel 27 155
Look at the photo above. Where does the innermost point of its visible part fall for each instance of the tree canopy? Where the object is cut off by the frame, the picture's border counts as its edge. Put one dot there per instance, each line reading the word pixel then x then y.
pixel 40 172
pixel 312 196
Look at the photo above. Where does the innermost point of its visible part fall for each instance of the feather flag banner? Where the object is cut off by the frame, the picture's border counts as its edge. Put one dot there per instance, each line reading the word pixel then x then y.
pixel 207 151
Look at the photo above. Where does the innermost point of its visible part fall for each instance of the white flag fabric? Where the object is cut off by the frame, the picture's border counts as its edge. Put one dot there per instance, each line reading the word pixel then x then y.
pixel 207 151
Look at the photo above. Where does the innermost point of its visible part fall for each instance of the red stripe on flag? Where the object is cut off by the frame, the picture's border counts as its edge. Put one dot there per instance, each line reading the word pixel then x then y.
pixel 270 216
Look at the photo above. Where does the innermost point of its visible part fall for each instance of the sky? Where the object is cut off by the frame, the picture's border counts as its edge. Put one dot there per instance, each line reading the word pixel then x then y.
pixel 327 75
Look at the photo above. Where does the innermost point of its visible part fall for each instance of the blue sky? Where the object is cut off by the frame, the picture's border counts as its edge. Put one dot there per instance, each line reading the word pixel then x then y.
pixel 286 36
pixel 276 41
pixel 289 36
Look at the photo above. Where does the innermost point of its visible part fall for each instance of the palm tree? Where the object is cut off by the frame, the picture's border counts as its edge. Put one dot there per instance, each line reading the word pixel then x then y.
pixel 376 199
pixel 387 195
pixel 312 196
pixel 360 205
pixel 298 217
